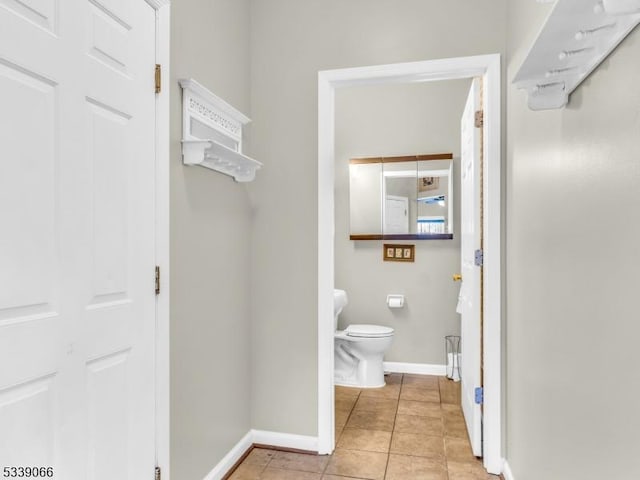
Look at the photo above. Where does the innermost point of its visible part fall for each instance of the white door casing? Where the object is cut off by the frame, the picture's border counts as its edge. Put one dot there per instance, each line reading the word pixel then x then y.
pixel 77 306
pixel 470 293
pixel 489 68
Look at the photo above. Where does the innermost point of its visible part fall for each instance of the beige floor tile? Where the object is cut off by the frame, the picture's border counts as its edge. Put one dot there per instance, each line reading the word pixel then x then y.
pixel 422 425
pixel 345 403
pixel 368 440
pixel 469 471
pixel 259 456
pixel 388 391
pixel 455 426
pixel 371 420
pixel 376 404
pixel 459 450
pixel 403 467
pixel 449 391
pixel 354 463
pixel 348 392
pixel 430 382
pixel 393 378
pixel 451 410
pixel 421 409
pixel 341 417
pixel 279 474
pixel 338 477
pixel 418 445
pixel 410 392
pixel 299 461
pixel 247 471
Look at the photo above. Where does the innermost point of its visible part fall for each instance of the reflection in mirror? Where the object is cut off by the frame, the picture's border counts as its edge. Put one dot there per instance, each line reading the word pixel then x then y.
pixel 434 197
pixel 399 213
pixel 402 197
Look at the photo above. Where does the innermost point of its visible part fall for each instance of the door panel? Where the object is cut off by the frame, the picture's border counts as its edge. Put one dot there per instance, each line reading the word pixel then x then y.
pixel 77 302
pixel 470 361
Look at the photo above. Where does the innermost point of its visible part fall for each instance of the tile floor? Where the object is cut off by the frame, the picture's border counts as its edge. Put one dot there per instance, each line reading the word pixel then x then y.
pixel 411 429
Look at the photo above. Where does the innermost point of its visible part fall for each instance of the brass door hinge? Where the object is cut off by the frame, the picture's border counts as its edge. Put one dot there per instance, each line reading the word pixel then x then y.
pixel 157 280
pixel 158 77
pixel 158 474
pixel 479 119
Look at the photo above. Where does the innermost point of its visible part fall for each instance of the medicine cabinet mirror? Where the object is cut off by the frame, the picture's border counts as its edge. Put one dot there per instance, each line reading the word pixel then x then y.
pixel 396 198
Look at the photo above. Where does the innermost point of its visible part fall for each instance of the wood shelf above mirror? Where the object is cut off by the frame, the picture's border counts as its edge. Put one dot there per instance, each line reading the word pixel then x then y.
pixel 407 197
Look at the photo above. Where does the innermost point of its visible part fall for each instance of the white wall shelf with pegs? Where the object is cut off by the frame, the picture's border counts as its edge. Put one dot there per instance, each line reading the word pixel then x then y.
pixel 212 133
pixel 576 37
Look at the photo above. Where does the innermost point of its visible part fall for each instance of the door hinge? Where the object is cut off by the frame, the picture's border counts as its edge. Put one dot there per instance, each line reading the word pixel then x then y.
pixel 158 474
pixel 479 258
pixel 157 280
pixel 479 119
pixel 479 395
pixel 158 77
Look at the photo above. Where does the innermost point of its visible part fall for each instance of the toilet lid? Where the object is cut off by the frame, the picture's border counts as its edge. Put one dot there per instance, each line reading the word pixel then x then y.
pixel 368 331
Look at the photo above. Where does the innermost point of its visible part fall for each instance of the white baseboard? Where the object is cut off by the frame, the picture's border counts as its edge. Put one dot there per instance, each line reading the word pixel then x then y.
pixel 285 440
pixel 230 459
pixel 275 439
pixel 419 368
pixel 506 471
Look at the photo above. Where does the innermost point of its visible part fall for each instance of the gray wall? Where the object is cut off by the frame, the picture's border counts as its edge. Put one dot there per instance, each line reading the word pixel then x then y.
pixel 210 250
pixel 572 332
pixel 386 121
pixel 291 40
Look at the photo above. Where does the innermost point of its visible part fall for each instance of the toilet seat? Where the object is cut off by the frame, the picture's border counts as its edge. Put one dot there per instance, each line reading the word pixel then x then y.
pixel 368 331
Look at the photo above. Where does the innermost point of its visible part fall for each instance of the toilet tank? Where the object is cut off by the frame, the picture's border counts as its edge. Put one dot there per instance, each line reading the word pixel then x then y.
pixel 340 300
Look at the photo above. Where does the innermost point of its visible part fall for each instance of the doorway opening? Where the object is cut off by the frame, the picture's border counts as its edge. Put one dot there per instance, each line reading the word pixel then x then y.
pixel 487 67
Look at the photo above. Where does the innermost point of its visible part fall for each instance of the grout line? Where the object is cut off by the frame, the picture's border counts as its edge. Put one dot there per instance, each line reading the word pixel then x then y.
pixel 393 428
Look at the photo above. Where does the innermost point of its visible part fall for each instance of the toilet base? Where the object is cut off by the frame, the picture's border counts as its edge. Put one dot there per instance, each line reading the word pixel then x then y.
pixel 362 374
pixel 338 383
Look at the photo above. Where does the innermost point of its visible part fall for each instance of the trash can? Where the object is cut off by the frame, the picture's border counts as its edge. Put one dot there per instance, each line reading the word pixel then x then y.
pixel 452 347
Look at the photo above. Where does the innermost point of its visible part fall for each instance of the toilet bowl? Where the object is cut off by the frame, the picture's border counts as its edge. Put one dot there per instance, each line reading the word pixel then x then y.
pixel 359 350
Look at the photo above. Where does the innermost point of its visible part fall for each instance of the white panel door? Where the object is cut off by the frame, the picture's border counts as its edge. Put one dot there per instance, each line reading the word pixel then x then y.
pixel 77 303
pixel 396 214
pixel 470 361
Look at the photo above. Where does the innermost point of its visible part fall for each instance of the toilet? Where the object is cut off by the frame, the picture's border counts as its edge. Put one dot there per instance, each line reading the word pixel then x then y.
pixel 359 350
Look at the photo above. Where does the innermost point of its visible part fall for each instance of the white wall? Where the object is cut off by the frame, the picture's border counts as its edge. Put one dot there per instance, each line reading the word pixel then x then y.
pixel 210 250
pixel 572 271
pixel 291 40
pixel 386 121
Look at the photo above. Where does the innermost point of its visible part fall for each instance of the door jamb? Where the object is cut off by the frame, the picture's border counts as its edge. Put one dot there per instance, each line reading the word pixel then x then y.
pixel 162 253
pixel 487 66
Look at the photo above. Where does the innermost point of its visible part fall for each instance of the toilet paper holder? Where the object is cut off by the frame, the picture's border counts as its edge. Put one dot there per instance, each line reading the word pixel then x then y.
pixel 395 301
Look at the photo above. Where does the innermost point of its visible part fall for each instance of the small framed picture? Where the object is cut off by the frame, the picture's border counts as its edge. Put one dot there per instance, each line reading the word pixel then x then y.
pixel 398 253
pixel 428 183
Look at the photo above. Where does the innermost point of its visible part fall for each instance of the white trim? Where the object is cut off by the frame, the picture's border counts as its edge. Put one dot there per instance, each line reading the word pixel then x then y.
pixel 229 460
pixel 506 471
pixel 158 4
pixel 492 271
pixel 487 66
pixel 162 252
pixel 285 440
pixel 418 368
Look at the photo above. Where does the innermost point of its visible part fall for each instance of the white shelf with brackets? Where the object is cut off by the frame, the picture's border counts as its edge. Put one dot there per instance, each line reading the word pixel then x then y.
pixel 212 133
pixel 576 37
